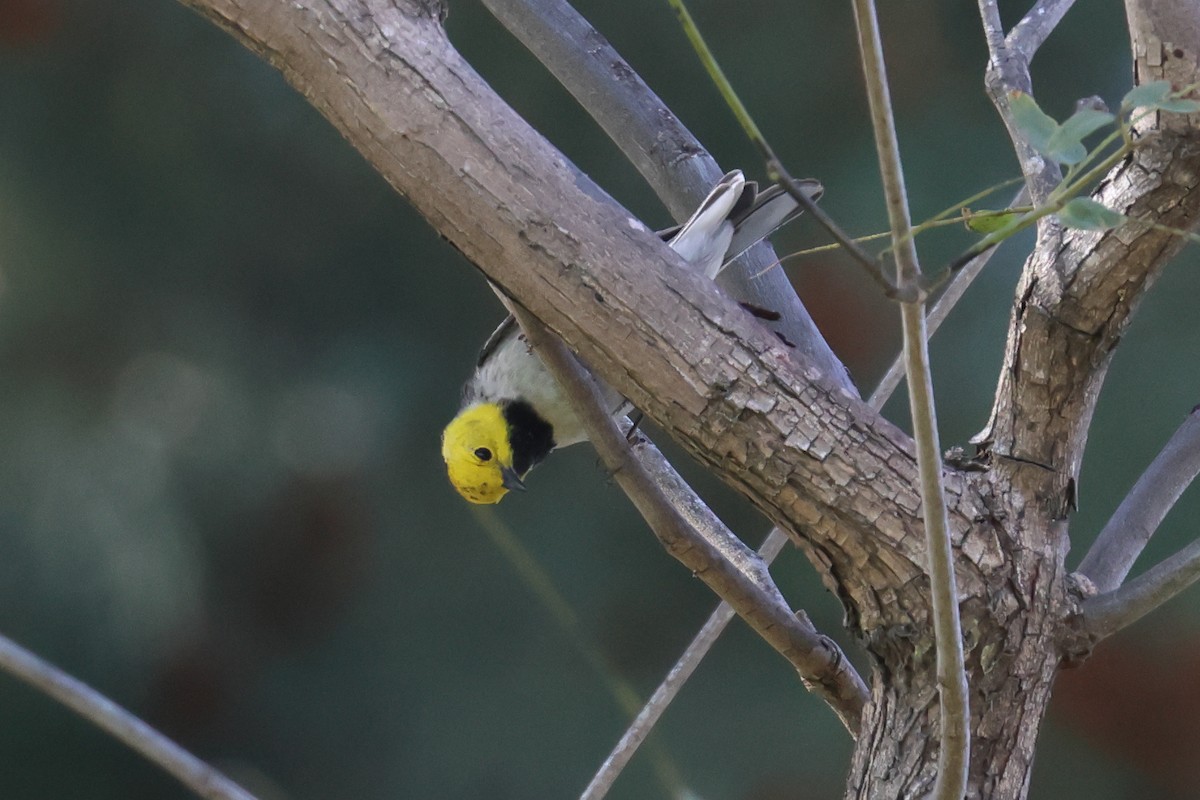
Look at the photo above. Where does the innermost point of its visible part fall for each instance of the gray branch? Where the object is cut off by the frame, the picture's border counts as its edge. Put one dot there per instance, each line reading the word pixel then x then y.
pixel 1035 27
pixel 635 735
pixel 663 150
pixel 1108 613
pixel 118 723
pixel 1143 509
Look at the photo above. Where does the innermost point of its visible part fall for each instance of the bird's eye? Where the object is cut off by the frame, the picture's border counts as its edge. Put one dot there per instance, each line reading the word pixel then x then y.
pixel 483 454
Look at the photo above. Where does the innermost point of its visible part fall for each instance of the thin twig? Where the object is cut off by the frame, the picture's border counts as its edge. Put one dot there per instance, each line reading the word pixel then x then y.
pixel 1105 614
pixel 775 169
pixel 526 565
pixel 955 750
pixel 962 280
pixel 119 723
pixel 993 28
pixel 643 724
pixel 1125 535
pixel 817 657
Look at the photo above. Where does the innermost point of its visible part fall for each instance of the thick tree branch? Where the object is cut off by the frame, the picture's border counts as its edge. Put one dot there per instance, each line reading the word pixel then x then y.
pixel 665 152
pixel 1143 509
pixel 118 723
pixel 819 660
pixel 1105 614
pixel 1077 294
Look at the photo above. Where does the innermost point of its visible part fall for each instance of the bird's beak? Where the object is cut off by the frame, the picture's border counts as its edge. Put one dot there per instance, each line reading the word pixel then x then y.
pixel 511 480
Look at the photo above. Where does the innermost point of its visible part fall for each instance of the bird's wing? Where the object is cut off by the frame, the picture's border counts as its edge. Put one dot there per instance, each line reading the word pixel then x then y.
pixel 507 328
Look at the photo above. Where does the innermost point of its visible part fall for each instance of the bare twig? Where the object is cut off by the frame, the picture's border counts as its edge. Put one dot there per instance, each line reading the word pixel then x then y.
pixel 962 281
pixel 1105 614
pixel 1140 513
pixel 119 723
pixel 663 150
pixel 666 692
pixel 954 754
pixel 526 565
pixel 819 660
pixel 775 168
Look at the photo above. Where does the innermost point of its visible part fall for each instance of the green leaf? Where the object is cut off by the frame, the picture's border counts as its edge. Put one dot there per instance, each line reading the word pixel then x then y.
pixel 1159 94
pixel 1033 123
pixel 1086 121
pixel 1180 105
pixel 1086 214
pixel 988 221
pixel 1066 143
pixel 1148 94
pixel 1064 150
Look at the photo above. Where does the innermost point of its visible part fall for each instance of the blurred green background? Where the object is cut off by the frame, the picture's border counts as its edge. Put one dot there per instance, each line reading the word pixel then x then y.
pixel 227 350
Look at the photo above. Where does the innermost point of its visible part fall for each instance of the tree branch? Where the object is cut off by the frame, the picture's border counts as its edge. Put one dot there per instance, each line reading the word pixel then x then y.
pixel 663 150
pixel 1105 614
pixel 1008 71
pixel 1079 288
pixel 1125 535
pixel 641 726
pixel 118 723
pixel 1036 26
pixel 955 751
pixel 818 659
pixel 635 735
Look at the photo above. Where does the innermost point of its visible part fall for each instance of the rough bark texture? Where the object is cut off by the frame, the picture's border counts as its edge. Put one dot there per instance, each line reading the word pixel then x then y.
pixel 811 455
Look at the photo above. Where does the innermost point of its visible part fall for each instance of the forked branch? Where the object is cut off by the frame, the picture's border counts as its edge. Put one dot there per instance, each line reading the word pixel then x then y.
pixel 1105 614
pixel 1008 71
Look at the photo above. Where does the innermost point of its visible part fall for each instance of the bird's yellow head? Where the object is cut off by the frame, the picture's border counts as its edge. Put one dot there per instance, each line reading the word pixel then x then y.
pixel 478 454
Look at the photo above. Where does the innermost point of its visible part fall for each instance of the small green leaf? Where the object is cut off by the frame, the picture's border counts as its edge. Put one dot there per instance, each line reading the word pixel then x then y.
pixel 1031 121
pixel 1064 150
pixel 1148 94
pixel 1086 214
pixel 1086 121
pixel 1180 105
pixel 988 221
pixel 1159 94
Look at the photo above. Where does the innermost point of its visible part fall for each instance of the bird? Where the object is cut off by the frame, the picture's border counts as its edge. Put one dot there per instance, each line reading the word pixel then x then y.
pixel 513 413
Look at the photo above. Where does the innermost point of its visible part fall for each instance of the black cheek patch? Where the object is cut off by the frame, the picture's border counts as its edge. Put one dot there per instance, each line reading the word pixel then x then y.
pixel 531 436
